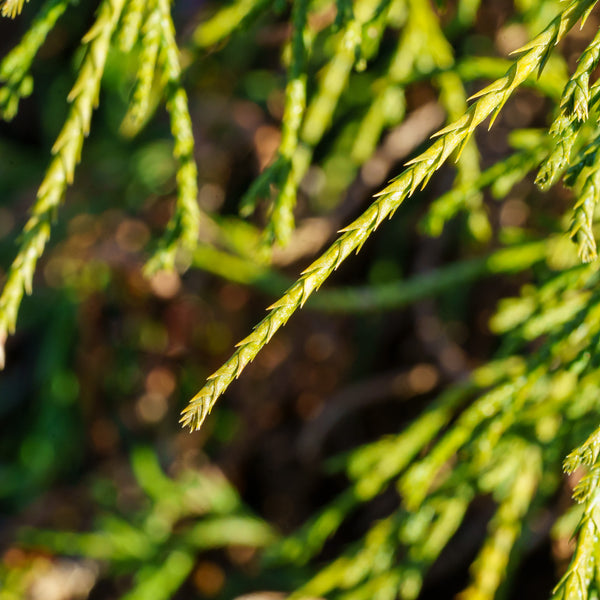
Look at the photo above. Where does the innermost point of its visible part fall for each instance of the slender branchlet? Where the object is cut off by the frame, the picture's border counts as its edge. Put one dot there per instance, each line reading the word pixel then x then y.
pixel 372 32
pixel 586 157
pixel 576 95
pixel 14 68
pixel 147 62
pixel 584 176
pixel 281 220
pixel 513 313
pixel 564 130
pixel 389 105
pixel 549 83
pixel 583 217
pixel 12 8
pixel 296 86
pixel 428 40
pixel 131 23
pixel 420 43
pixel 181 236
pixel 585 455
pixel 575 583
pixel 67 153
pixel 335 74
pixel 287 171
pixel 419 171
pixel 453 99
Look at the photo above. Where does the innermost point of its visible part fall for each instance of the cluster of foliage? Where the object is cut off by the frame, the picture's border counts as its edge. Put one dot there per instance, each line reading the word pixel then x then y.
pixel 364 84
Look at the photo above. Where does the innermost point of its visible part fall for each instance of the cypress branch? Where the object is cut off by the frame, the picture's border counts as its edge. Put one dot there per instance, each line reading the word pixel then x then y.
pixel 281 221
pixel 12 8
pixel 181 236
pixel 131 24
pixel 576 95
pixel 147 62
pixel 15 66
pixel 67 153
pixel 489 102
pixel 575 583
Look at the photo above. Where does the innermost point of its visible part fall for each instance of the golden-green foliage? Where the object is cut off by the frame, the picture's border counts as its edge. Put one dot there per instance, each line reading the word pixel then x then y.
pixel 352 72
pixel 452 138
pixel 60 173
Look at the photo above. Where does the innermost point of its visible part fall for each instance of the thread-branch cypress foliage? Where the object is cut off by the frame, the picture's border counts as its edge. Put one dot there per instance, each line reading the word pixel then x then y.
pixel 150 42
pixel 281 221
pixel 500 430
pixel 131 24
pixel 60 173
pixel 584 565
pixel 153 22
pixel 182 230
pixel 11 8
pixel 14 68
pixel 488 103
